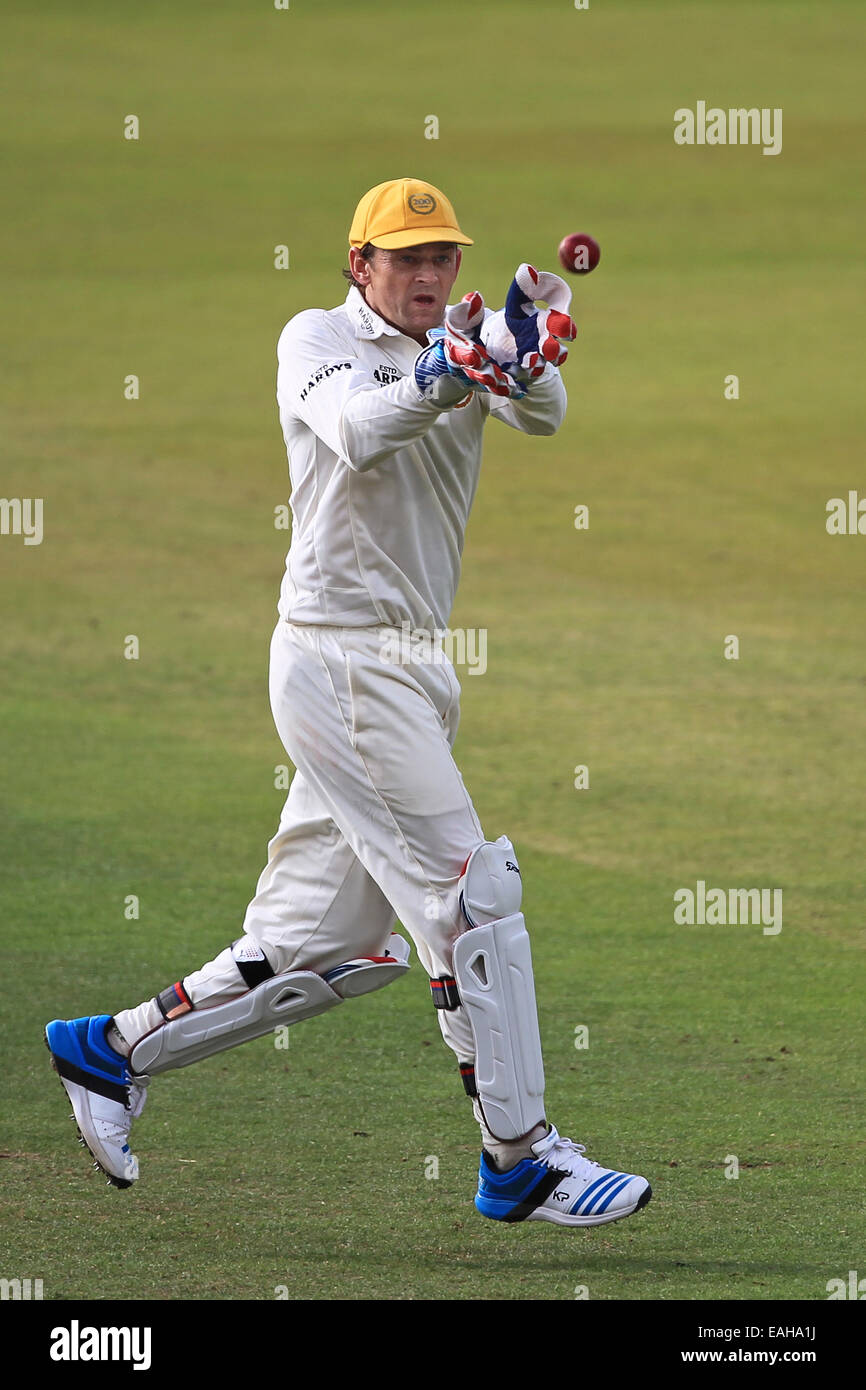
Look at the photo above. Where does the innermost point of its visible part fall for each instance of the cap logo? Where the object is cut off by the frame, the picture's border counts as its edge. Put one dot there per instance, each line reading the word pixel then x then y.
pixel 422 203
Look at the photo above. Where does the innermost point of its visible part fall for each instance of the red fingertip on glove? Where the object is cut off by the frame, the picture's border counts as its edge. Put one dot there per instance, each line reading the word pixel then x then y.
pixel 553 352
pixel 561 325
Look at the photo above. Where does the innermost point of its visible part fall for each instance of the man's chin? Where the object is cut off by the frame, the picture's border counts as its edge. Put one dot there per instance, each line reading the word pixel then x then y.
pixel 423 317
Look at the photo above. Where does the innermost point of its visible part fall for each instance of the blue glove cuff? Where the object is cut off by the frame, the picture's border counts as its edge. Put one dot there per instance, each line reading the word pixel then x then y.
pixel 429 366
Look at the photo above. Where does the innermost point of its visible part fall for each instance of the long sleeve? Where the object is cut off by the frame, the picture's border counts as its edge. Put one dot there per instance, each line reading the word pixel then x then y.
pixel 542 409
pixel 322 381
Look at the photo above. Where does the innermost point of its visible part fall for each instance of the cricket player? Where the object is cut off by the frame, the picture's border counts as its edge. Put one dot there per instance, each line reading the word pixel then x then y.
pixel 383 402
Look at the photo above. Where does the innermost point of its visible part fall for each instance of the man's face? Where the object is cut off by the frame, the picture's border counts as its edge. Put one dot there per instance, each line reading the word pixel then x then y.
pixel 409 287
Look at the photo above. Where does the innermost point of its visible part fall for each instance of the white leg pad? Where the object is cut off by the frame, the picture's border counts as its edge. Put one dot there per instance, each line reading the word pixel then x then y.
pixel 201 1033
pixel 493 970
pixel 284 999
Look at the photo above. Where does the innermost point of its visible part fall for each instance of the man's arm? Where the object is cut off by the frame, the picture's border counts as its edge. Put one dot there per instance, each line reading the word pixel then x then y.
pixel 542 409
pixel 328 387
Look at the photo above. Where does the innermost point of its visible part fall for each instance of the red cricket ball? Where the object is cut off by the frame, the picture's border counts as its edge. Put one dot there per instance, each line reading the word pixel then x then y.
pixel 579 253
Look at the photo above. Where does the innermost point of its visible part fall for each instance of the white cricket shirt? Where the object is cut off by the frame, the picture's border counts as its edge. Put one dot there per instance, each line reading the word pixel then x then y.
pixel 382 480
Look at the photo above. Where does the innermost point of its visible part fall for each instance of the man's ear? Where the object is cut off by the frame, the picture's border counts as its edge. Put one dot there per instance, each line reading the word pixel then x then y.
pixel 358 266
pixel 459 259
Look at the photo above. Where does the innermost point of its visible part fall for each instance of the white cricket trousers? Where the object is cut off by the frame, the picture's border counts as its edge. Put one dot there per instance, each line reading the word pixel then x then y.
pixel 377 824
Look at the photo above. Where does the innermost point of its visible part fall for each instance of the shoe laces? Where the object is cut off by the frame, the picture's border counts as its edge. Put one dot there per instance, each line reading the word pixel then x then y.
pixel 554 1151
pixel 117 1131
pixel 137 1097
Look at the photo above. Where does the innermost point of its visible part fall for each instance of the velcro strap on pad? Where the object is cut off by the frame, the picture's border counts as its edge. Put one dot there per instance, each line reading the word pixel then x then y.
pixel 445 993
pixel 174 1001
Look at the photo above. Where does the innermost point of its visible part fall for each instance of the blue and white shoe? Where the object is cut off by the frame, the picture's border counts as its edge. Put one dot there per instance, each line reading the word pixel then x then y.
pixel 105 1097
pixel 559 1185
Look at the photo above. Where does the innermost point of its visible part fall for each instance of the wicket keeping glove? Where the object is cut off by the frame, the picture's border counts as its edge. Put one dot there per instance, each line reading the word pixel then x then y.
pixel 522 338
pixel 457 361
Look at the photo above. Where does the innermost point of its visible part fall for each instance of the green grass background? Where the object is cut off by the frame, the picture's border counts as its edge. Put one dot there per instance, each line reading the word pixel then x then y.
pixel 306 1167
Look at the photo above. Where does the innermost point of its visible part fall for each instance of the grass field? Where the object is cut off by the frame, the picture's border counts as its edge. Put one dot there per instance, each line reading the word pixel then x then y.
pixel 305 1167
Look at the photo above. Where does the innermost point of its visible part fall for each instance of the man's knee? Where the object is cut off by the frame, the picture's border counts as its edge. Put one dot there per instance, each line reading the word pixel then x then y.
pixel 490 885
pixel 489 889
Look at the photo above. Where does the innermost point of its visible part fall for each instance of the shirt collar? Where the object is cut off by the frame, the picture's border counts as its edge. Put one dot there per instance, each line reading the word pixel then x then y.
pixel 365 321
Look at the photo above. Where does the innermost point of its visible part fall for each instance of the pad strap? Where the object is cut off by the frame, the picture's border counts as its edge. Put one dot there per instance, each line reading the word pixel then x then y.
pixel 467 1076
pixel 445 993
pixel 174 1001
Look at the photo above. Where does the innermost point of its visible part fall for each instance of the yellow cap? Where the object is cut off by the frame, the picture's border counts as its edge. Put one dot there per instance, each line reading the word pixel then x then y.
pixel 404 212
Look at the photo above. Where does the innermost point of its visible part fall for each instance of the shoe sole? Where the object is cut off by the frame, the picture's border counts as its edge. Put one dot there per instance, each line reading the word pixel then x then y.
pixel 557 1218
pixel 74 1101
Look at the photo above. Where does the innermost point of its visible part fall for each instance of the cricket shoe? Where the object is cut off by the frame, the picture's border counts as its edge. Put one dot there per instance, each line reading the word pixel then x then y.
pixel 105 1097
pixel 558 1185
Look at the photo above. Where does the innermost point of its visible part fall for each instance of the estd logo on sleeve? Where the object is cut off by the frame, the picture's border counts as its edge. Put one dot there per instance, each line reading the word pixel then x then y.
pixel 320 375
